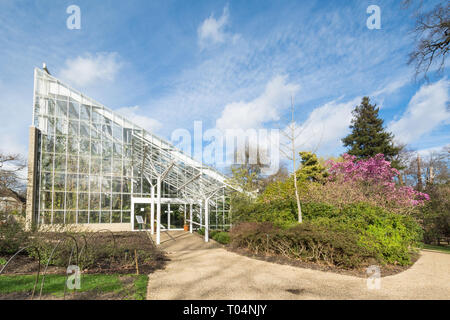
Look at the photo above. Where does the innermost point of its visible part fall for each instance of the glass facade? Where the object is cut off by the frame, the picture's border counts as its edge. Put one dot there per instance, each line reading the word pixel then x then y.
pixel 92 162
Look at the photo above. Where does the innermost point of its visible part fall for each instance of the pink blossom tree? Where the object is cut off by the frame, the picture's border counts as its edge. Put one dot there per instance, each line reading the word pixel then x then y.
pixel 375 179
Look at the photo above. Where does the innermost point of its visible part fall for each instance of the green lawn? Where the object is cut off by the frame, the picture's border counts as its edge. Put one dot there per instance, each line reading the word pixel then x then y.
pixel 54 284
pixel 445 249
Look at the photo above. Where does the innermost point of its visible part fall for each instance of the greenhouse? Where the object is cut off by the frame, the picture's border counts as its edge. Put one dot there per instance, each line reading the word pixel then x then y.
pixel 90 166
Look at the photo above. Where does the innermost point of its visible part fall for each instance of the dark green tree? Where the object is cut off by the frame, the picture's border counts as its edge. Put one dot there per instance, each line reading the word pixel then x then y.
pixel 368 136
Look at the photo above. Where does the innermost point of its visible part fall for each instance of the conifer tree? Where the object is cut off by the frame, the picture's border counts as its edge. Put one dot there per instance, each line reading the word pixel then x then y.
pixel 368 136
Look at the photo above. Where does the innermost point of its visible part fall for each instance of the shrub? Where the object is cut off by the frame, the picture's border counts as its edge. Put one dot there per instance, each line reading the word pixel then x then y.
pixel 389 235
pixel 12 237
pixel 314 210
pixel 306 241
pixel 222 237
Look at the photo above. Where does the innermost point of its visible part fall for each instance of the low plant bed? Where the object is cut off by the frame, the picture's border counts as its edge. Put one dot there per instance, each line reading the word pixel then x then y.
pixel 94 253
pixel 361 272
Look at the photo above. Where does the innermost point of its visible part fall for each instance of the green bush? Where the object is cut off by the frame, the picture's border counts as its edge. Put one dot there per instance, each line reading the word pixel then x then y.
pixel 307 241
pixel 390 236
pixel 348 237
pixel 222 237
pixel 314 210
pixel 12 237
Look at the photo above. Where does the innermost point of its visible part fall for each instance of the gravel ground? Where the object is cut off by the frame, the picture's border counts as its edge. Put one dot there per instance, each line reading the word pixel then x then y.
pixel 199 270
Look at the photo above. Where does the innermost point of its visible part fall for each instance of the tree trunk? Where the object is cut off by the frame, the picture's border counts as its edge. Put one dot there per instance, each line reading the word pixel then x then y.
pixel 419 174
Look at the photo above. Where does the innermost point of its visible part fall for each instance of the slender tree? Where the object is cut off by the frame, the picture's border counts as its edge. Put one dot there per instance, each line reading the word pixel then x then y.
pixel 290 151
pixel 368 136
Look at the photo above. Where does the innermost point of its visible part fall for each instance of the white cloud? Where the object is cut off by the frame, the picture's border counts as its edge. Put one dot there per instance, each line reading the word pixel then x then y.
pixel 427 110
pixel 132 114
pixel 90 69
pixel 429 151
pixel 326 126
pixel 265 108
pixel 211 31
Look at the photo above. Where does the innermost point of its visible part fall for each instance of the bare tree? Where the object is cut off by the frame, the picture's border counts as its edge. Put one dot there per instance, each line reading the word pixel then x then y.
pixel 432 32
pixel 289 150
pixel 10 167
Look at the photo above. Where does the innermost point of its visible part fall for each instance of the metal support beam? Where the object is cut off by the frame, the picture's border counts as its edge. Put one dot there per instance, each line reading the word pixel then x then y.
pixel 158 211
pixel 189 181
pixel 207 220
pixel 166 172
pixel 190 218
pixel 152 211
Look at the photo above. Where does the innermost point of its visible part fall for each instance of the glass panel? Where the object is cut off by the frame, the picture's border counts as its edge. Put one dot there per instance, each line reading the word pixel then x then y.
pixel 85 112
pixel 61 108
pixel 72 164
pixel 96 165
pixel 47 161
pixel 106 201
pixel 60 162
pixel 46 200
pixel 58 201
pixel 96 148
pixel 74 109
pixel 126 202
pixel 84 146
pixel 60 144
pixel 71 182
pixel 116 202
pixel 94 201
pixel 94 216
pixel 96 130
pixel 116 217
pixel 126 216
pixel 83 216
pixel 84 129
pixel 70 217
pixel 84 165
pixel 74 127
pixel 58 217
pixel 46 217
pixel 46 181
pixel 83 183
pixel 48 143
pixel 95 183
pixel 60 179
pixel 61 126
pixel 106 165
pixel 73 145
pixel 96 116
pixel 83 201
pixel 106 217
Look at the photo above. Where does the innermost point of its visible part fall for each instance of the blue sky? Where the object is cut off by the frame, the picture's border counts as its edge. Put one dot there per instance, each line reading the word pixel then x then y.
pixel 165 64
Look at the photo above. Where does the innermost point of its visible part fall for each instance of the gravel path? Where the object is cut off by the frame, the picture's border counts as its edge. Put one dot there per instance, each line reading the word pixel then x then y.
pixel 200 270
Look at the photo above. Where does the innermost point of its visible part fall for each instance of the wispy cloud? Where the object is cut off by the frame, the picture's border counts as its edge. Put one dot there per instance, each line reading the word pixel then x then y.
pixel 134 115
pixel 212 30
pixel 89 69
pixel 263 109
pixel 427 110
pixel 325 126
